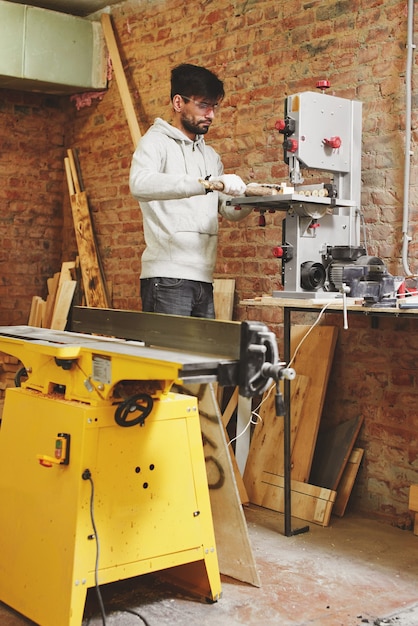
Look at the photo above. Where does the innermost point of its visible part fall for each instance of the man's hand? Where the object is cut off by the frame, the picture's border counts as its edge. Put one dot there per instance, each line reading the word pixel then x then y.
pixel 233 185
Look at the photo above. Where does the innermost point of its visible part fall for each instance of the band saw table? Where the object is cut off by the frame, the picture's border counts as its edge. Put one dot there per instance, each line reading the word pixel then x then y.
pixel 102 471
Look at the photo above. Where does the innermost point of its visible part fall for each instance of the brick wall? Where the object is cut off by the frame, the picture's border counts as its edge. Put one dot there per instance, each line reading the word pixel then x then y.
pixel 32 130
pixel 264 50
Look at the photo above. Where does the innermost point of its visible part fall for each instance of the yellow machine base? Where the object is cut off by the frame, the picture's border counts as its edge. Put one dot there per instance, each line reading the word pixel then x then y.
pixel 66 469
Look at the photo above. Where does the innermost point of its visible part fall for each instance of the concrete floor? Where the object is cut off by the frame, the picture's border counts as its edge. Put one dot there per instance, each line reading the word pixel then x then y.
pixel 354 572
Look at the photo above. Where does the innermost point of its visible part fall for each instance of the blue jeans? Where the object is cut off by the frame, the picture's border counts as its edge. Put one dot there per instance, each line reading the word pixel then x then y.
pixel 177 296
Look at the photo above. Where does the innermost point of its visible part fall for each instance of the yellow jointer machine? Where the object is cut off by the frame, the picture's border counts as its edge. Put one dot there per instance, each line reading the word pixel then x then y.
pixel 102 472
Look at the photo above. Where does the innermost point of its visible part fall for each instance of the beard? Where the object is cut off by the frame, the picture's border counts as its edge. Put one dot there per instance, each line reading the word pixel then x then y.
pixel 194 127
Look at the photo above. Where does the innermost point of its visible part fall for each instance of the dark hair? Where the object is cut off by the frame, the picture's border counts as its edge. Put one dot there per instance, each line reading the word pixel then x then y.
pixel 192 80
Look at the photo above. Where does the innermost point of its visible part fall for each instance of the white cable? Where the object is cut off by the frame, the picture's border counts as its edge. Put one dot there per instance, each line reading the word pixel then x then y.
pixel 322 311
pixel 407 162
pixel 267 394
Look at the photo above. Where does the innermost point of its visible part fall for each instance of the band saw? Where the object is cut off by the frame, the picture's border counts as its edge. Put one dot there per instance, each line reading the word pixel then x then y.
pixel 321 252
pixel 102 471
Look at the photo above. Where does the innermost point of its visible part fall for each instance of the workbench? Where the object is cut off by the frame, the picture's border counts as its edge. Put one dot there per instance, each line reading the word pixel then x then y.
pixel 328 305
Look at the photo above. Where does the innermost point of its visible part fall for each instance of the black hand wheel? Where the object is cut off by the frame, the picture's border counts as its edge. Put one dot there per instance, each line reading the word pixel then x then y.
pixel 140 403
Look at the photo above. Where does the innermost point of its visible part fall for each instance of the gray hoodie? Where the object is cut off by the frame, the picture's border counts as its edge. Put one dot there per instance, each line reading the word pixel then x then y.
pixel 180 220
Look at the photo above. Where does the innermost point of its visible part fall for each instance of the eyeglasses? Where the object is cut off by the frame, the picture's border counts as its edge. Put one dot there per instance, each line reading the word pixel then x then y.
pixel 203 106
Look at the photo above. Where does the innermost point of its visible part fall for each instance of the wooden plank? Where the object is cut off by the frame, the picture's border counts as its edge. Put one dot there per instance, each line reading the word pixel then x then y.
pixel 63 304
pixel 235 554
pixel 313 359
pixel 69 176
pixel 75 188
pixel 94 288
pixel 223 296
pixel 346 483
pixel 52 284
pixel 413 505
pixel 36 312
pixel 73 174
pixel 310 503
pixel 121 79
pixel 223 300
pixel 243 495
pixel 41 313
pixel 67 267
pixel 230 408
pixel 267 448
pixel 32 311
pixel 413 498
pixel 333 449
pixel 243 431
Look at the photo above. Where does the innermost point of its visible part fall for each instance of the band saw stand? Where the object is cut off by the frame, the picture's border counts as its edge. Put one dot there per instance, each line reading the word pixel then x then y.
pixel 102 471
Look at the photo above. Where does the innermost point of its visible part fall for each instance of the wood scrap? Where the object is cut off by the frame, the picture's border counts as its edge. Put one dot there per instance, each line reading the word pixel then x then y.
pixel 235 554
pixel 230 408
pixel 413 505
pixel 37 312
pixel 313 359
pixel 63 304
pixel 52 286
pixel 121 81
pixel 266 450
pixel 66 273
pixel 94 284
pixel 223 296
pixel 310 503
pixel 345 486
pixel 332 451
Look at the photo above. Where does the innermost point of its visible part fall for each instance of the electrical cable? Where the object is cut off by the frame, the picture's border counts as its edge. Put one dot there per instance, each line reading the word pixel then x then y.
pixel 21 373
pixel 273 386
pixel 87 476
pixel 410 46
pixel 137 615
pixel 322 311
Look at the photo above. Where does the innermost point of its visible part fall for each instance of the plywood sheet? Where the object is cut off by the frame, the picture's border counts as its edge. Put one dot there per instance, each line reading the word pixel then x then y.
pixel 346 483
pixel 267 446
pixel 310 503
pixel 235 554
pixel 314 354
pixel 332 452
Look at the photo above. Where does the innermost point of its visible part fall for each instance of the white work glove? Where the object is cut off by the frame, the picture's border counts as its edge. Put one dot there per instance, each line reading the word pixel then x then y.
pixel 233 184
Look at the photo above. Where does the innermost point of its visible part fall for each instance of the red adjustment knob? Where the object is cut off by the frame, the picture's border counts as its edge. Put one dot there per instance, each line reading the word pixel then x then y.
pixel 278 252
pixel 314 224
pixel 280 125
pixel 333 142
pixel 323 84
pixel 291 145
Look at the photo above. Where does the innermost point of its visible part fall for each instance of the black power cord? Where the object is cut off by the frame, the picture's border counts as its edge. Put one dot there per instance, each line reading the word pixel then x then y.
pixel 86 475
pixel 21 373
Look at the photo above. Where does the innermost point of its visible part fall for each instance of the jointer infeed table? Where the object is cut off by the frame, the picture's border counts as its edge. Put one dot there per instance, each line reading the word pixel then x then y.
pixel 102 471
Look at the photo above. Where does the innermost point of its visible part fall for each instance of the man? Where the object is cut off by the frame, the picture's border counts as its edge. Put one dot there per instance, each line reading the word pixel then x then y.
pixel 169 176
